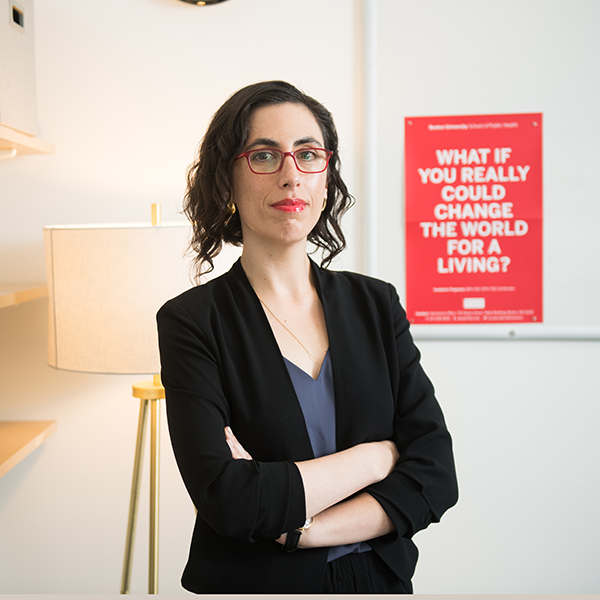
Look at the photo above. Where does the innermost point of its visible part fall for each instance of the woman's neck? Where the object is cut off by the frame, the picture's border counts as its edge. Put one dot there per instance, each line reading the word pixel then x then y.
pixel 285 285
pixel 282 275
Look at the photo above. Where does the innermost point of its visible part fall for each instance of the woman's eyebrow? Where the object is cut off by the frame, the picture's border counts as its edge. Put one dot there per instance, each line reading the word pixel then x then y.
pixel 263 142
pixel 271 143
pixel 307 140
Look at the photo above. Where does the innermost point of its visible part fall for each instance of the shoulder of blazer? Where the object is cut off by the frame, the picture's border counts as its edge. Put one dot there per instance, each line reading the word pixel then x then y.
pixel 207 296
pixel 350 287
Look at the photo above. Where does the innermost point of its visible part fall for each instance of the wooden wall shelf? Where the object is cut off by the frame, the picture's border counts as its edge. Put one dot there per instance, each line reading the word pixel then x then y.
pixel 12 294
pixel 23 143
pixel 18 439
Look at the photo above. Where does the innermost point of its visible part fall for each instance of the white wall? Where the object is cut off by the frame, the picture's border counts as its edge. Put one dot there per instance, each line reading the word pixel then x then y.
pixel 125 90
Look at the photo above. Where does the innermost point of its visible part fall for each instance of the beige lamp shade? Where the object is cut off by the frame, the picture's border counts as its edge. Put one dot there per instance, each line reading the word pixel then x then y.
pixel 105 285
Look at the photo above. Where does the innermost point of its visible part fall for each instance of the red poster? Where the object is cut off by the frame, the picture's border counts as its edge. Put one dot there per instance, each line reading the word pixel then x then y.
pixel 474 219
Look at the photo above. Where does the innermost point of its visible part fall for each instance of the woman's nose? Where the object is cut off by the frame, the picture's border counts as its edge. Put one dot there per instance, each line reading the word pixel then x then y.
pixel 289 174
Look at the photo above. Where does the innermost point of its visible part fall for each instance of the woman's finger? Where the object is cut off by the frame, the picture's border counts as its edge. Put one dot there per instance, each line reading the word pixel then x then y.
pixel 237 450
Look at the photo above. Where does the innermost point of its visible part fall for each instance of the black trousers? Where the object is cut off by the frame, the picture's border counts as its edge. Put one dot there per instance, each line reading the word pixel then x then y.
pixel 362 573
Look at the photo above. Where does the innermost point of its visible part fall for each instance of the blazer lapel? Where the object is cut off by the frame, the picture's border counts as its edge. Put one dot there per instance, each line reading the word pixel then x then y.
pixel 267 372
pixel 339 344
pixel 363 394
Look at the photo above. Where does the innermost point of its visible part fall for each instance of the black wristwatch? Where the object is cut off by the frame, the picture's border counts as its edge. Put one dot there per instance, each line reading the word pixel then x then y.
pixel 293 537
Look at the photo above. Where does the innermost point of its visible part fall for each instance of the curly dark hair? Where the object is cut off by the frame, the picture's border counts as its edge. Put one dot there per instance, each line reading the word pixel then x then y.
pixel 209 179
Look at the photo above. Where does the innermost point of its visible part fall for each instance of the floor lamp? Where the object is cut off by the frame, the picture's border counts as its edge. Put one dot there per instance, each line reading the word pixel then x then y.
pixel 105 284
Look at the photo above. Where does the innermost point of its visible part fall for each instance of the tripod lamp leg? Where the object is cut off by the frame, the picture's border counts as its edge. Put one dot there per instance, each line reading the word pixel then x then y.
pixel 154 495
pixel 134 499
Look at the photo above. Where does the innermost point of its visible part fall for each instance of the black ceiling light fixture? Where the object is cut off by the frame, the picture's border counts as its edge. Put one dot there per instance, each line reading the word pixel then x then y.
pixel 203 2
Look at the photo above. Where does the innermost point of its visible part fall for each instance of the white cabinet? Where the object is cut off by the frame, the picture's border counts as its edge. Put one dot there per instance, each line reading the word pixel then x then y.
pixel 18 104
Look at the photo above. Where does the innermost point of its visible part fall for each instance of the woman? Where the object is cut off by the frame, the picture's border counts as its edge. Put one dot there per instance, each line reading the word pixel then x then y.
pixel 306 432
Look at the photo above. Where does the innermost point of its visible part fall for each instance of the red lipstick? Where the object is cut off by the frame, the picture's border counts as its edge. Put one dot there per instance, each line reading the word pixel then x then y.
pixel 291 205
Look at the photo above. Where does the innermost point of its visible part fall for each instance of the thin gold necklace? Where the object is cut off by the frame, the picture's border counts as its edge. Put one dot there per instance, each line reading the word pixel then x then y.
pixel 289 331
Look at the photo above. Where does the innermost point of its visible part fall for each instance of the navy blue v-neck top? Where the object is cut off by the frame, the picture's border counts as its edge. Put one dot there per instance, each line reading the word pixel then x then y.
pixel 317 401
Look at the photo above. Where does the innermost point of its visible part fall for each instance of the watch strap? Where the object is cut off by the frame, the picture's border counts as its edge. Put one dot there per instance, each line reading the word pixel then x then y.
pixel 291 540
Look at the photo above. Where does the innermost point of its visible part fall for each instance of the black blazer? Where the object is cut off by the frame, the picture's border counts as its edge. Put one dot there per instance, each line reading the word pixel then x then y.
pixel 221 365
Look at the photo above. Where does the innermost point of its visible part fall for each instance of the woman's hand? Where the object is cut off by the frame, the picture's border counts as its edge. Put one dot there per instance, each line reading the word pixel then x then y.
pixel 237 450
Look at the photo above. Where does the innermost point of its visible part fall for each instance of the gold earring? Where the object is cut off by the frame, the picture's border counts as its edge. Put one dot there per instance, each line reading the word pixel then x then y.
pixel 324 204
pixel 231 208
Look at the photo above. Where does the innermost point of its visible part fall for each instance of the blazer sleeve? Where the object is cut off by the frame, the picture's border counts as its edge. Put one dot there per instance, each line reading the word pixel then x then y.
pixel 423 485
pixel 245 499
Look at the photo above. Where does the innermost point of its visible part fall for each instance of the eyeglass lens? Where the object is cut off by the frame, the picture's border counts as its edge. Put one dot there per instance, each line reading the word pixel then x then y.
pixel 308 160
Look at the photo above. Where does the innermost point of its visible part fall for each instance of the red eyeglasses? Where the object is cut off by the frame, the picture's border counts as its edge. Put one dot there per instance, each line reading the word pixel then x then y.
pixel 269 160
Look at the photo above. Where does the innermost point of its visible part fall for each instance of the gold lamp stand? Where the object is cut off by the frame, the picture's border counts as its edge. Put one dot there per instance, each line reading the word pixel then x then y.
pixel 150 393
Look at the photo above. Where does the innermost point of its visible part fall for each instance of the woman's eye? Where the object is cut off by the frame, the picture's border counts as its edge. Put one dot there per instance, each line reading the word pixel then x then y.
pixel 307 155
pixel 263 156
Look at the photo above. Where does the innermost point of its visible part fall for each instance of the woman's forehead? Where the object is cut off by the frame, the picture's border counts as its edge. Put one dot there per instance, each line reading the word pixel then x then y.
pixel 283 124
